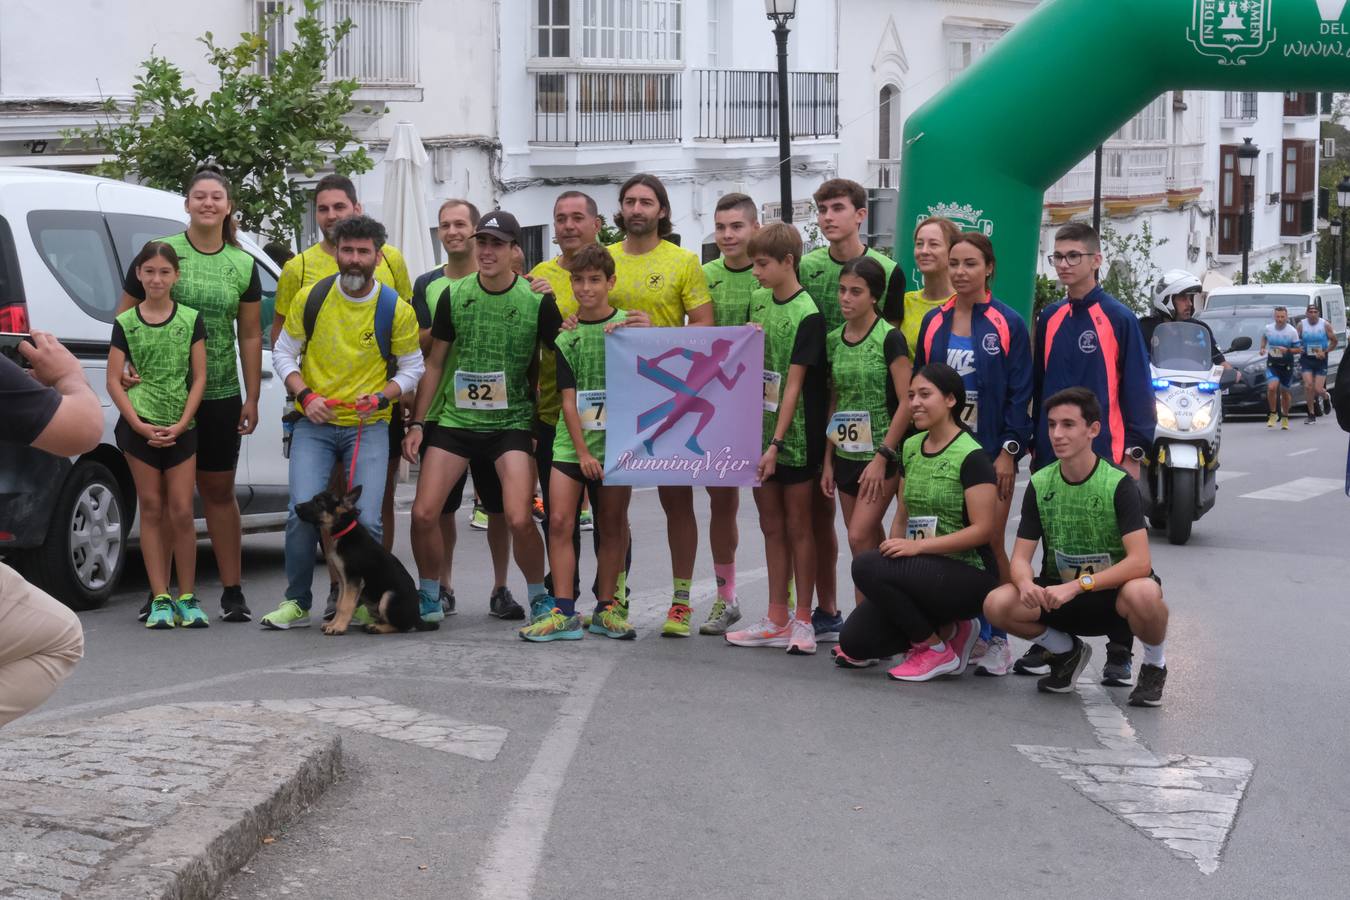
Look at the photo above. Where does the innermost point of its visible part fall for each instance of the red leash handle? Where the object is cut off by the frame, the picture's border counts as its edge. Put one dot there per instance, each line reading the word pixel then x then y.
pixel 361 404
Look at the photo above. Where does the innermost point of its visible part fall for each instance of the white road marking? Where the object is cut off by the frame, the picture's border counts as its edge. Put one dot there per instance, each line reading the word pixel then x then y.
pixel 1228 475
pixel 1302 452
pixel 1187 802
pixel 1297 490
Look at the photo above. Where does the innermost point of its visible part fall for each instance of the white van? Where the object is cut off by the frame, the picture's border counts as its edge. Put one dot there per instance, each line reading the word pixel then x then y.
pixel 1329 298
pixel 66 241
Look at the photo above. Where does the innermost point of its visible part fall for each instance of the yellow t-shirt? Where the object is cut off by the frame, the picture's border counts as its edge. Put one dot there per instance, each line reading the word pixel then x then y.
pixel 665 283
pixel 916 307
pixel 549 405
pixel 315 264
pixel 343 359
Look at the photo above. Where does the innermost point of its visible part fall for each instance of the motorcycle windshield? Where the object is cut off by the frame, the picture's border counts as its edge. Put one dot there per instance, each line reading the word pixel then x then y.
pixel 1181 346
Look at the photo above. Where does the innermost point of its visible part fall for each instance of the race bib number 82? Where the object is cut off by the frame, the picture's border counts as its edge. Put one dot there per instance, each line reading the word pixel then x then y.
pixel 480 390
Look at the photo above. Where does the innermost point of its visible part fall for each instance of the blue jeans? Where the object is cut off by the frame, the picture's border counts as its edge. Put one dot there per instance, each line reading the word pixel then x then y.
pixel 315 450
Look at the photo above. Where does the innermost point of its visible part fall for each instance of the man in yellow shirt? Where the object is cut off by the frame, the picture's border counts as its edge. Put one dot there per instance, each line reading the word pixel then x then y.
pixel 343 360
pixel 666 282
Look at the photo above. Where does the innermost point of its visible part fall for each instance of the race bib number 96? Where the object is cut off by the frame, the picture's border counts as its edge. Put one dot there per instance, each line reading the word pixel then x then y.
pixel 773 383
pixel 921 528
pixel 591 408
pixel 851 431
pixel 1072 566
pixel 480 390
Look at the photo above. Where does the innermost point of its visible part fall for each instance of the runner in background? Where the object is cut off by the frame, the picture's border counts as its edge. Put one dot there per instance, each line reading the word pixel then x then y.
pixel 731 281
pixel 1280 341
pixel 665 282
pixel 1317 340
pixel 932 239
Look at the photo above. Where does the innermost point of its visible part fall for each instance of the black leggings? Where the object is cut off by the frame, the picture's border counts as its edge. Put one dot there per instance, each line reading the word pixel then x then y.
pixel 908 599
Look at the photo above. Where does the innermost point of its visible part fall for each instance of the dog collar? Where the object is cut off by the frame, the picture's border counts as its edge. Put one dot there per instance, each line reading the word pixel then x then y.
pixel 350 526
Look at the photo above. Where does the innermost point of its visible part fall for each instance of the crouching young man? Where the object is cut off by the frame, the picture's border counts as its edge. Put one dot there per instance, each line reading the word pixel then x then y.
pixel 1096 573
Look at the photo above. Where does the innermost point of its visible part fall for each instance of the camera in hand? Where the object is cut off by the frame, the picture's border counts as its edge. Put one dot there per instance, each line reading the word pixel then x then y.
pixel 9 347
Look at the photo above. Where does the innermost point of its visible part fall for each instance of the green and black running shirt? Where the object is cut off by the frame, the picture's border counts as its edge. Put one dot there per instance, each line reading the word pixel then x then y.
pixel 935 487
pixel 1081 526
pixel 581 368
pixel 731 290
pixel 793 335
pixel 162 355
pixel 861 373
pixel 820 276
pixel 214 284
pixel 494 338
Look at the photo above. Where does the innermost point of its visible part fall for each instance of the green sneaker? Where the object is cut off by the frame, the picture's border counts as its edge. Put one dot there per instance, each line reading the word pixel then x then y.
pixel 362 616
pixel 677 621
pixel 587 520
pixel 540 607
pixel 612 622
pixel 190 613
pixel 287 615
pixel 478 521
pixel 163 613
pixel 553 626
pixel 720 618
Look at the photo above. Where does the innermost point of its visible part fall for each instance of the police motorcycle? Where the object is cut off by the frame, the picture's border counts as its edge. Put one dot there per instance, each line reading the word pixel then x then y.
pixel 1179 483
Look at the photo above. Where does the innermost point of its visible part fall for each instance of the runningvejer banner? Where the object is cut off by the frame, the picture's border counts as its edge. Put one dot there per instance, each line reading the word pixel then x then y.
pixel 684 406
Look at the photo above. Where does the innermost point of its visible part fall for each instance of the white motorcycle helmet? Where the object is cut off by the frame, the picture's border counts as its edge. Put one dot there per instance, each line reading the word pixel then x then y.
pixel 1172 283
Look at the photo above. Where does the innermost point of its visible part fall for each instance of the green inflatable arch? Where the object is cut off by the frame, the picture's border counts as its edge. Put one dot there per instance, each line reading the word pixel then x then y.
pixel 984 150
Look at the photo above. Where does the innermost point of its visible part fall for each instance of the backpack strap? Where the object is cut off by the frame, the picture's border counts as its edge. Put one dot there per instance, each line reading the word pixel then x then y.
pixel 314 302
pixel 385 306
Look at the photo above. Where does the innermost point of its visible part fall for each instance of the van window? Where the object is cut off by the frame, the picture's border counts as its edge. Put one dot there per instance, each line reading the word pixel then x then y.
pixel 1257 298
pixel 130 234
pixel 268 282
pixel 76 248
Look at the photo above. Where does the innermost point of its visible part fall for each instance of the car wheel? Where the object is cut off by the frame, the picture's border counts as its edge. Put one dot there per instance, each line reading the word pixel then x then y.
pixel 81 560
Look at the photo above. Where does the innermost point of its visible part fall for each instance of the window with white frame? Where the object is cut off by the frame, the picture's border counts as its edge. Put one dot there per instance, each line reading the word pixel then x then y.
pixel 715 16
pixel 623 31
pixel 968 40
pixel 1150 124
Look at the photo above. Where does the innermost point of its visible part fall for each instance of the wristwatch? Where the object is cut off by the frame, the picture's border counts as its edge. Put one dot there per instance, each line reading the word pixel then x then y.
pixel 887 453
pixel 1135 453
pixel 421 426
pixel 1086 582
pixel 1012 448
pixel 779 443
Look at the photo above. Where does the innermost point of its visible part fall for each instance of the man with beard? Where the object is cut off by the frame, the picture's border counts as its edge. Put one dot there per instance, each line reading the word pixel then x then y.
pixel 667 283
pixel 343 362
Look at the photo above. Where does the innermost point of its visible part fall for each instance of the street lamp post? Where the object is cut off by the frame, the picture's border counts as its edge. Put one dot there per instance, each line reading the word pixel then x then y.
pixel 1337 262
pixel 1343 201
pixel 780 12
pixel 1247 156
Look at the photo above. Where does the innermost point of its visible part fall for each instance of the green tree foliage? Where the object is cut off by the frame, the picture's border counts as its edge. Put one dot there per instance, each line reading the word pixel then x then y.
pixel 1047 292
pixel 1130 270
pixel 261 129
pixel 1279 271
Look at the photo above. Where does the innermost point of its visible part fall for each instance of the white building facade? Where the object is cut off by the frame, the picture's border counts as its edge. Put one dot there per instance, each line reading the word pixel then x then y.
pixel 517 100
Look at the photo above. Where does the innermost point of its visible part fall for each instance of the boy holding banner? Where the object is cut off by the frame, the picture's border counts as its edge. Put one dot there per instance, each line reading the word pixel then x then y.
pixel 794 432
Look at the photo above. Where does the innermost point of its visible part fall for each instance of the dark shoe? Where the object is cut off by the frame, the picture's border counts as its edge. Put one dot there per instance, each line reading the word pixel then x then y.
pixel 145 610
pixel 1032 662
pixel 447 601
pixel 1119 666
pixel 1065 669
pixel 232 606
pixel 1148 692
pixel 330 608
pixel 502 605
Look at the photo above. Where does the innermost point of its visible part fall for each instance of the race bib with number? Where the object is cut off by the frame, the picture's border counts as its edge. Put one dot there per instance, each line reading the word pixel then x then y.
pixel 591 408
pixel 851 431
pixel 773 383
pixel 1071 566
pixel 921 528
pixel 970 413
pixel 480 390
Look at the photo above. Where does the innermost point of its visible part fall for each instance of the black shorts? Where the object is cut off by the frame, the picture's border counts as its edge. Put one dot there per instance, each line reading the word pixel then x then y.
pixel 1090 613
pixel 396 433
pixel 573 471
pixel 848 472
pixel 478 445
pixel 486 485
pixel 481 466
pixel 218 434
pixel 162 458
pixel 794 474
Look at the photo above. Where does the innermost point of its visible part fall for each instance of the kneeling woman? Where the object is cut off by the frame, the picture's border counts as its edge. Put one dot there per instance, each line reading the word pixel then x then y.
pixel 926 584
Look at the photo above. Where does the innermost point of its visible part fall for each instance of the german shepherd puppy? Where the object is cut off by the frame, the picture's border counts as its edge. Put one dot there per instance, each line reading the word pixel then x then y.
pixel 367 572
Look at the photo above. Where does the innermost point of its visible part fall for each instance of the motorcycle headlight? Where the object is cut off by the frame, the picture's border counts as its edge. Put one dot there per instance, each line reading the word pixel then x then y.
pixel 1166 418
pixel 1203 416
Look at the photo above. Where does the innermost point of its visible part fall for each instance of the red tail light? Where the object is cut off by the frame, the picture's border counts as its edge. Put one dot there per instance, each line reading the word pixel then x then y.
pixel 14 318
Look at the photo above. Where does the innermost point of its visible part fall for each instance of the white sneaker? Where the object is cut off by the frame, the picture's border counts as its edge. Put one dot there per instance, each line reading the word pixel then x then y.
pixel 802 638
pixel 997 659
pixel 977 652
pixel 763 633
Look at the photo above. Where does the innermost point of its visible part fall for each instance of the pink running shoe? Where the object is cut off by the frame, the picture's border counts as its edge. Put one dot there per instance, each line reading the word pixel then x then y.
pixel 802 638
pixel 967 633
pixel 763 633
pixel 923 663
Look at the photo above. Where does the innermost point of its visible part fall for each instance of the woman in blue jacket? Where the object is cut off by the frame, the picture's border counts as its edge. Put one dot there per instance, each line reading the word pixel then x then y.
pixel 987 343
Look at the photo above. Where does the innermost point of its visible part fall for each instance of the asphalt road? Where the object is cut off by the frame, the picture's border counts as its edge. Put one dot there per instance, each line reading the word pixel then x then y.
pixel 675 768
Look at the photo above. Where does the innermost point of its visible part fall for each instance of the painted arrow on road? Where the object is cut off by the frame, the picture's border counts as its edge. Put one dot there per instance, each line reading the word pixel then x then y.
pixel 1187 802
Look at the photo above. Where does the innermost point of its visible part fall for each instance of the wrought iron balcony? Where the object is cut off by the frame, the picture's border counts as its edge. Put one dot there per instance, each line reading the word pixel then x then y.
pixel 742 105
pixel 381 50
pixel 572 108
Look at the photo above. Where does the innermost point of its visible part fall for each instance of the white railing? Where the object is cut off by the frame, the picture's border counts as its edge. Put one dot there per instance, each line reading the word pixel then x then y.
pixel 1133 170
pixel 883 173
pixel 1185 166
pixel 1075 186
pixel 380 50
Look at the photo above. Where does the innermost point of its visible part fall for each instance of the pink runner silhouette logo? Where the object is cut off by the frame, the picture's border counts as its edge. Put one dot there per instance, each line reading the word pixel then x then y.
pixel 692 413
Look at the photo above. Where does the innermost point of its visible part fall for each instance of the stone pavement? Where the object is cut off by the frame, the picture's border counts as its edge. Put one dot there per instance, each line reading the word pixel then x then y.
pixel 164 801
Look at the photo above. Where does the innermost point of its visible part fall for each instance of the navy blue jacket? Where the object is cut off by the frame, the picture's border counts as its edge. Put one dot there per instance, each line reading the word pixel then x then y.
pixel 1002 368
pixel 1095 342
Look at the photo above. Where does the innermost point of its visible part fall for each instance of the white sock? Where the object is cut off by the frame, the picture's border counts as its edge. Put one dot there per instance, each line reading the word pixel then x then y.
pixel 1055 641
pixel 939 647
pixel 1153 655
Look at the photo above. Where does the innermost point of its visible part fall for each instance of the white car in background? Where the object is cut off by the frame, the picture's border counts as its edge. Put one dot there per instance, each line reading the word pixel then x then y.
pixel 66 241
